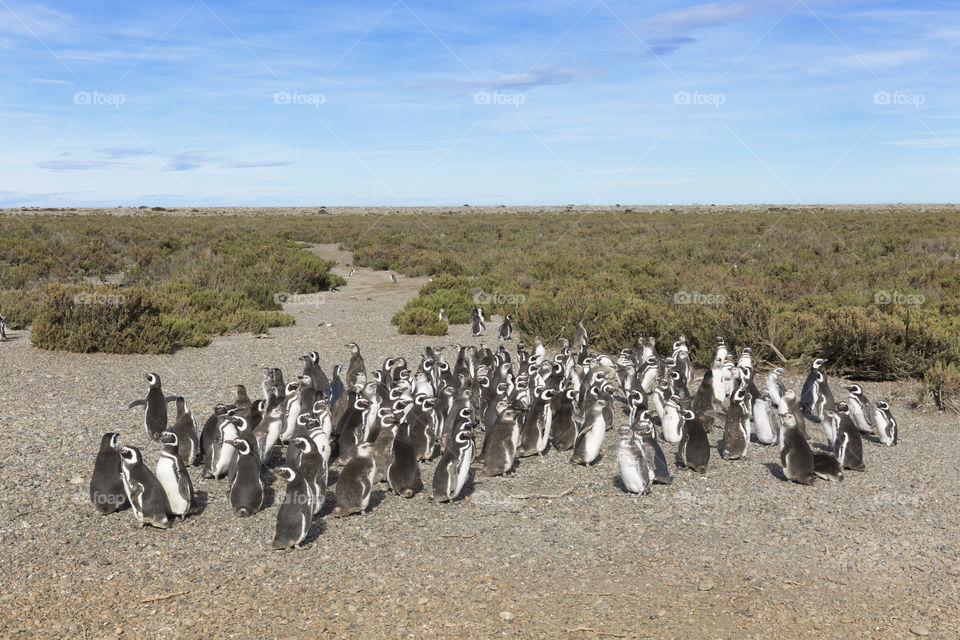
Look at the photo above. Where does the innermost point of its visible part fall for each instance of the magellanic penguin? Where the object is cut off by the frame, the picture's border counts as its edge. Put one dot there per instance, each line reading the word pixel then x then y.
pixel 356 369
pixel 383 445
pixel 766 420
pixel 188 437
pixel 633 468
pixel 478 324
pixel 862 410
pixel 885 423
pixel 500 445
pixel 795 453
pixel 652 453
pixel 453 470
pixel 816 395
pixel 827 467
pixel 694 448
pixel 537 424
pixel 246 487
pixel 309 462
pixel 703 401
pixel 506 327
pixel 144 491
pixel 442 316
pixel 355 482
pixel 670 423
pixel 155 407
pixel 844 438
pixel 580 337
pixel 736 428
pixel 775 386
pixel 172 474
pixel 296 510
pixel 586 450
pixel 403 472
pixel 564 427
pixel 106 486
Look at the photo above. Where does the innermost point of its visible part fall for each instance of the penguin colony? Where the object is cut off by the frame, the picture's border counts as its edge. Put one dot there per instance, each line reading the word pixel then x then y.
pixel 380 425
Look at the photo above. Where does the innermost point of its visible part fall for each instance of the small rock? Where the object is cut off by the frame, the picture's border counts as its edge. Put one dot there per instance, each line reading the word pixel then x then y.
pixel 705 585
pixel 919 630
pixel 352 608
pixel 506 616
pixel 76 480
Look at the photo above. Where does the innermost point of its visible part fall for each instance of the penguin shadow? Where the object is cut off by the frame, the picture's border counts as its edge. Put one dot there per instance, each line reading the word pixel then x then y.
pixel 329 502
pixel 376 497
pixel 10 338
pixel 202 499
pixel 775 470
pixel 268 478
pixel 316 529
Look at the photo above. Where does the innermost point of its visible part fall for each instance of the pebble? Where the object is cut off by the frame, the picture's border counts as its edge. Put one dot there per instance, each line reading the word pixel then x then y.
pixel 705 585
pixel 506 616
pixel 919 630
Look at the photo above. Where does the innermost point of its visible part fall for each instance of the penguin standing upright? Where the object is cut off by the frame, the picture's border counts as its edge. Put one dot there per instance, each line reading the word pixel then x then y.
pixel 652 452
pixel 579 337
pixel 242 401
pixel 296 510
pixel 173 476
pixel 736 428
pixel 309 462
pixel 500 445
pixel 775 386
pixel 766 420
pixel 106 486
pixel 630 460
pixel 144 491
pixel 586 450
pixel 564 427
pixel 478 324
pixel 506 327
pixel 844 438
pixel 694 448
pixel 885 423
pixel 356 367
pixel 246 487
pixel 155 407
pixel 453 470
pixel 442 316
pixel 815 396
pixel 355 482
pixel 336 386
pixel 703 402
pixel 795 453
pixel 861 409
pixel 185 426
pixel 403 474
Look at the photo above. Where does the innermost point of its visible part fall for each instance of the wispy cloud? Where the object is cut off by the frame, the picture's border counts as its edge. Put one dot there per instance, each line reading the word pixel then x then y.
pixel 123 152
pixel 542 75
pixel 257 165
pixel 187 161
pixel 74 165
pixel 698 16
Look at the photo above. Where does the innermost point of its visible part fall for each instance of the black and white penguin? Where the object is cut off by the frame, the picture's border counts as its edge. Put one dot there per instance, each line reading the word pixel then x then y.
pixel 844 438
pixel 703 402
pixel 173 476
pixel 506 328
pixel 586 449
pixel 694 448
pixel 670 421
pixel 862 410
pixel 815 396
pixel 296 510
pixel 106 486
pixel 356 369
pixel 309 462
pixel 246 486
pixel 185 426
pixel 352 273
pixel 144 491
pixel 827 467
pixel 442 316
pixel 634 474
pixel 453 470
pixel 775 386
pixel 500 445
pixel 155 407
pixel 789 404
pixel 564 427
pixel 795 453
pixel 355 482
pixel 210 439
pixel 268 431
pixel 652 452
pixel 885 423
pixel 478 324
pixel 537 424
pixel 403 472
pixel 312 368
pixel 579 337
pixel 383 445
pixel 766 420
pixel 336 386
pixel 736 427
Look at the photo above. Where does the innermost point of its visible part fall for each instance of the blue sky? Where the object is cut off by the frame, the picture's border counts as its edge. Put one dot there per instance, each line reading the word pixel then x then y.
pixel 409 102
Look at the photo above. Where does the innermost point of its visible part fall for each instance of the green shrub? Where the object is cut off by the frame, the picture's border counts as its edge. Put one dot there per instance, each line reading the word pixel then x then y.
pixel 941 382
pixel 422 322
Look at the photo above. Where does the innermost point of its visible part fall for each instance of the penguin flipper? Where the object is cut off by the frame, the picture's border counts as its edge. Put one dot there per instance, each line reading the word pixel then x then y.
pixel 137 403
pixel 169 398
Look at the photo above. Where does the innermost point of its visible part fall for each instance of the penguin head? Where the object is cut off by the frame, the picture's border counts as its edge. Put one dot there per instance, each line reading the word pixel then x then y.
pixel 181 405
pixel 109 441
pixel 354 349
pixel 241 423
pixel 337 368
pixel 364 449
pixel 304 444
pixel 320 405
pixel 687 415
pixel 130 455
pixel 287 473
pixel 854 389
pixel 242 446
pixel 882 405
pixel 170 439
pixel 819 362
pixel 152 379
pixel 841 407
pixel 302 419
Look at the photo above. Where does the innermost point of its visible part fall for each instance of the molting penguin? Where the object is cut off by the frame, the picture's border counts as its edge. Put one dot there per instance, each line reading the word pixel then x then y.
pixel 827 467
pixel 652 453
pixel 478 324
pixel 403 474
pixel 500 445
pixel 795 453
pixel 694 448
pixel 633 468
pixel 356 367
pixel 766 420
pixel 775 386
pixel 155 411
pixel 736 428
pixel 564 427
pixel 106 486
pixel 844 438
pixel 188 438
pixel 144 491
pixel 174 478
pixel 355 482
pixel 296 510
pixel 246 487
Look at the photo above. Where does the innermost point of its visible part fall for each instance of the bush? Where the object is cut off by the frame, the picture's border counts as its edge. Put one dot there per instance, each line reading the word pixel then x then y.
pixel 941 382
pixel 422 322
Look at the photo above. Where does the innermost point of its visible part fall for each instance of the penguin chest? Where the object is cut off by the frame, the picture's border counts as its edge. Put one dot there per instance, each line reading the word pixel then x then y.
pixel 671 426
pixel 633 472
pixel 593 440
pixel 170 481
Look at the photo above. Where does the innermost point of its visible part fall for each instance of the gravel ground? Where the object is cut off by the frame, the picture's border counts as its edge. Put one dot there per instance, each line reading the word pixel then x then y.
pixel 736 553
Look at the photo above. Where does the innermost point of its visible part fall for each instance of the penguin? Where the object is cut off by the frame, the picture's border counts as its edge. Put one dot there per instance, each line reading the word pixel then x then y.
pixel 356 367
pixel 223 451
pixel 766 420
pixel 580 337
pixel 670 422
pixel 795 453
pixel 442 316
pixel 477 319
pixel 185 426
pixel 256 411
pixel 453 470
pixel 403 472
pixel 420 421
pixel 336 386
pixel 703 401
pixel 383 446
pixel 296 510
pixel 694 448
pixel 775 386
pixel 844 438
pixel 144 491
pixel 312 368
pixel 827 467
pixel 309 462
pixel 106 486
pixel 861 409
pixel 586 449
pixel 506 327
pixel 268 431
pixel 246 487
pixel 537 424
pixel 634 474
pixel 652 453
pixel 242 401
pixel 173 476
pixel 885 423
pixel 393 277
pixel 352 273
pixel 815 396
pixel 788 404
pixel 355 482
pixel 155 411
pixel 291 410
pixel 736 428
pixel 500 445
